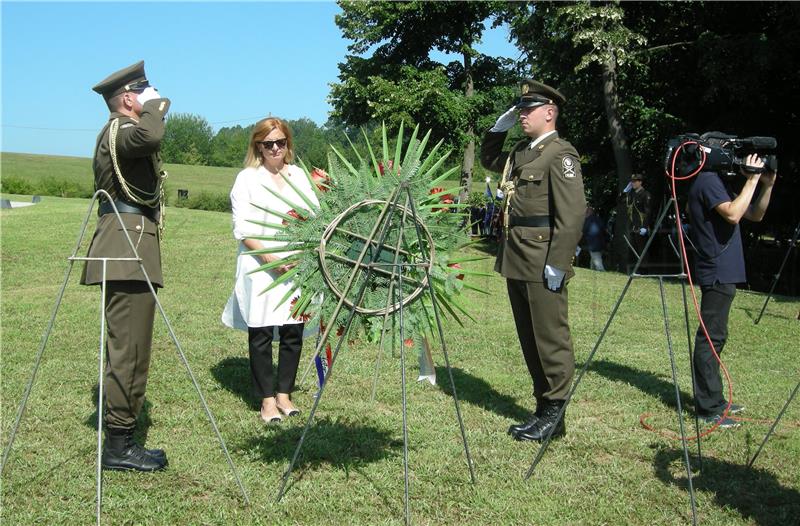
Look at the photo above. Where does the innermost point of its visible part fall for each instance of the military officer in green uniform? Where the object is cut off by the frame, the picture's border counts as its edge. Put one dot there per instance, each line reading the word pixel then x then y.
pixel 544 210
pixel 127 166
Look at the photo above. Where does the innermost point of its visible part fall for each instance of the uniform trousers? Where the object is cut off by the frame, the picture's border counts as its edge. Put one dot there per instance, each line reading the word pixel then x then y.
pixel 130 309
pixel 261 369
pixel 543 330
pixel 715 306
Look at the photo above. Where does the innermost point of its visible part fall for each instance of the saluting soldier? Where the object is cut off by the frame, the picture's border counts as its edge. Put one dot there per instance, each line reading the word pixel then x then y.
pixel 544 210
pixel 638 203
pixel 127 166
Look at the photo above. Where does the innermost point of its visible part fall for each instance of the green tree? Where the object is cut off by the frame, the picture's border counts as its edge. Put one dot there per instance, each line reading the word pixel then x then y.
pixel 187 139
pixel 637 73
pixel 229 146
pixel 400 82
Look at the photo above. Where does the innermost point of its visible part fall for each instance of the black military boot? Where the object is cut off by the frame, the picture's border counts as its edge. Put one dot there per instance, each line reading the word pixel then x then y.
pixel 120 452
pixel 545 423
pixel 515 429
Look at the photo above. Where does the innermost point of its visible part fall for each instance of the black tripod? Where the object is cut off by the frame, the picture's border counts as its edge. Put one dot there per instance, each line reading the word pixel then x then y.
pixel 660 277
pixel 371 252
pixel 792 244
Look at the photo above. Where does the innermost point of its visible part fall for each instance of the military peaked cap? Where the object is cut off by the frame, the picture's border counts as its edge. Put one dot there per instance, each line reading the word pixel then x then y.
pixel 131 78
pixel 533 94
pixel 636 177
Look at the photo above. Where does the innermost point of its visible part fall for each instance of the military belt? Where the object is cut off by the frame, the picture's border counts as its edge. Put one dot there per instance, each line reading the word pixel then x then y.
pixel 128 208
pixel 529 221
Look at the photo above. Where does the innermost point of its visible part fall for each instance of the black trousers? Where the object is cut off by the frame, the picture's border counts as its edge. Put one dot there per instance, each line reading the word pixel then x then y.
pixel 260 346
pixel 715 306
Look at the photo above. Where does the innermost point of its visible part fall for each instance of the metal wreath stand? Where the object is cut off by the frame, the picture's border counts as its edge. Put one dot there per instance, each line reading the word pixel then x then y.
pixel 101 355
pixel 395 302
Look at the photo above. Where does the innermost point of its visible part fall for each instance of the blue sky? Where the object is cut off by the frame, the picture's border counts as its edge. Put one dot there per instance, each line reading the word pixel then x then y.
pixel 231 63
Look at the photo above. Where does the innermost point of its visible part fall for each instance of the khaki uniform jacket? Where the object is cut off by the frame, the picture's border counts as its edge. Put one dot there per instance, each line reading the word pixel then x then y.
pixel 548 182
pixel 138 144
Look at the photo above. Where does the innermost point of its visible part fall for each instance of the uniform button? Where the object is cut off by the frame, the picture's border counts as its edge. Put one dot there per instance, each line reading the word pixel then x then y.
pixel 138 227
pixel 539 236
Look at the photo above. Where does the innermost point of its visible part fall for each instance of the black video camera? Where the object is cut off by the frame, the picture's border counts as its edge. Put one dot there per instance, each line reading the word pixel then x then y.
pixel 717 152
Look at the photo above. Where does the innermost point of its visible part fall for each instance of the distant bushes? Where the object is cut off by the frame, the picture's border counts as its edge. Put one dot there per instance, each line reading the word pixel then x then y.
pixel 203 201
pixel 53 186
pixel 47 186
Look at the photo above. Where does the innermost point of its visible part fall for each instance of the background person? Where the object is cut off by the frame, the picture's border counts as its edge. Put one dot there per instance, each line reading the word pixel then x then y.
pixel 127 165
pixel 269 155
pixel 638 205
pixel 594 238
pixel 715 211
pixel 546 206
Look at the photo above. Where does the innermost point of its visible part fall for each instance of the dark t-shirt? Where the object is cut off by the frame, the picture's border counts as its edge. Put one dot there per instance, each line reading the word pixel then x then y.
pixel 720 258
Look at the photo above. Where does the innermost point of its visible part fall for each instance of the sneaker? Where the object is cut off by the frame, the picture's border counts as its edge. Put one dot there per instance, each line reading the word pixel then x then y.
pixel 725 423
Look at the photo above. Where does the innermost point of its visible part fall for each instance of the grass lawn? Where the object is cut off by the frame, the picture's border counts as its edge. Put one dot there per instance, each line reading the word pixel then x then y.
pixel 607 470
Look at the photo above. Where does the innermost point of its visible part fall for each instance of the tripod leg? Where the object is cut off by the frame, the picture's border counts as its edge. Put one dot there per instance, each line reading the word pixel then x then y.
pixel 792 243
pixel 404 403
pixel 100 393
pixel 311 362
pixel 444 345
pixel 774 424
pixel 678 401
pixel 24 402
pixel 576 383
pixel 383 223
pixel 694 377
pixel 209 414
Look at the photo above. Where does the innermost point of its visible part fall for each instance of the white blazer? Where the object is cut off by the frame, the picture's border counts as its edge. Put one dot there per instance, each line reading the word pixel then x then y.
pixel 248 306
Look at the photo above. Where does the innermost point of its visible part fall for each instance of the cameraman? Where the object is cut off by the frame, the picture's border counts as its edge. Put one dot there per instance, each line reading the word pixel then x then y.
pixel 715 211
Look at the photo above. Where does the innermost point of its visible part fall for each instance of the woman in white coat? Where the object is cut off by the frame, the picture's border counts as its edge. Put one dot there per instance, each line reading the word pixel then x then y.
pixel 269 157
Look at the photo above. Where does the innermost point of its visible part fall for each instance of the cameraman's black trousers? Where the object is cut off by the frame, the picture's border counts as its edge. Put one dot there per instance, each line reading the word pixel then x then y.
pixel 714 308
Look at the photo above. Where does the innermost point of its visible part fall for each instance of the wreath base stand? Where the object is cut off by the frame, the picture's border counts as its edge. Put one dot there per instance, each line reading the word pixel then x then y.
pixel 372 261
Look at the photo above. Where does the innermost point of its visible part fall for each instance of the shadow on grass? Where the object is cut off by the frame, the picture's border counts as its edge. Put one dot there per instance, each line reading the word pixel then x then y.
pixel 234 375
pixel 646 382
pixel 478 392
pixel 336 442
pixel 143 422
pixel 487 245
pixel 752 492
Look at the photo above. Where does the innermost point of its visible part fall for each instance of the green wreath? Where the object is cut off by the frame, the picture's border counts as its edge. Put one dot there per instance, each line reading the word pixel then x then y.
pixel 326 241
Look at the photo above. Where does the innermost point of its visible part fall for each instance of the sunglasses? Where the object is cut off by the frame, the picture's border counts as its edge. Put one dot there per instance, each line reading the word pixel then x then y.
pixel 281 143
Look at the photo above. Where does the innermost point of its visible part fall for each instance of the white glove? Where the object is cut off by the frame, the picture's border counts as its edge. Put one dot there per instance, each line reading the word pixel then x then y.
pixel 643 231
pixel 506 121
pixel 554 277
pixel 148 94
pixel 628 188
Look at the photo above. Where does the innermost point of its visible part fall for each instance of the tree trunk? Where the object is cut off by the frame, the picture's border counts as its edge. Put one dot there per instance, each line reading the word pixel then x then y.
pixel 469 150
pixel 622 157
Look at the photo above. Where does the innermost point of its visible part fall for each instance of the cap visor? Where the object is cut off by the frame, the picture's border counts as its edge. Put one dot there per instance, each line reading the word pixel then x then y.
pixel 529 104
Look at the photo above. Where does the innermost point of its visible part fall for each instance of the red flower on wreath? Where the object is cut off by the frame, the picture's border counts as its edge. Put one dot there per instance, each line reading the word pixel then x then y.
pixel 456 266
pixel 445 199
pixel 321 179
pixel 294 214
pixel 409 342
pixel 304 317
pixel 389 164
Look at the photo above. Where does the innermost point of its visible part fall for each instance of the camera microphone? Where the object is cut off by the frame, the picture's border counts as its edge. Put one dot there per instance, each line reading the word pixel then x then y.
pixel 758 143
